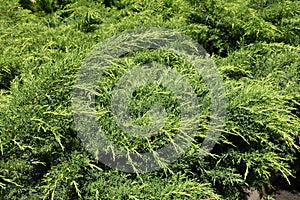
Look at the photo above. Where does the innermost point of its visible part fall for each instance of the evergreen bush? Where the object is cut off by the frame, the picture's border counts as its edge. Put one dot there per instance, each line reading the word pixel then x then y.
pixel 255 45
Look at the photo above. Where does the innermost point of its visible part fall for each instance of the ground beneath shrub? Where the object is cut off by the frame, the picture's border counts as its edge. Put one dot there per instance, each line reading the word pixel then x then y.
pixel 281 190
pixel 284 191
pixel 278 195
pixel 286 195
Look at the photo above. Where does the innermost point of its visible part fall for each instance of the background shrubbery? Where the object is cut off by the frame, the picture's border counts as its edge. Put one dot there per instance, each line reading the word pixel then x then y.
pixel 255 45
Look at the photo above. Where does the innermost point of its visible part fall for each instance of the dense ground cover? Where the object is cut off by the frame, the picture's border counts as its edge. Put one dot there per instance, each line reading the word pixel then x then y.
pixel 255 45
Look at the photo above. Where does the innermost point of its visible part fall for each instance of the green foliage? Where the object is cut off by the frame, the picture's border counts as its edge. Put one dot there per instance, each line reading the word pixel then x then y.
pixel 125 186
pixel 255 45
pixel 223 26
pixel 45 6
